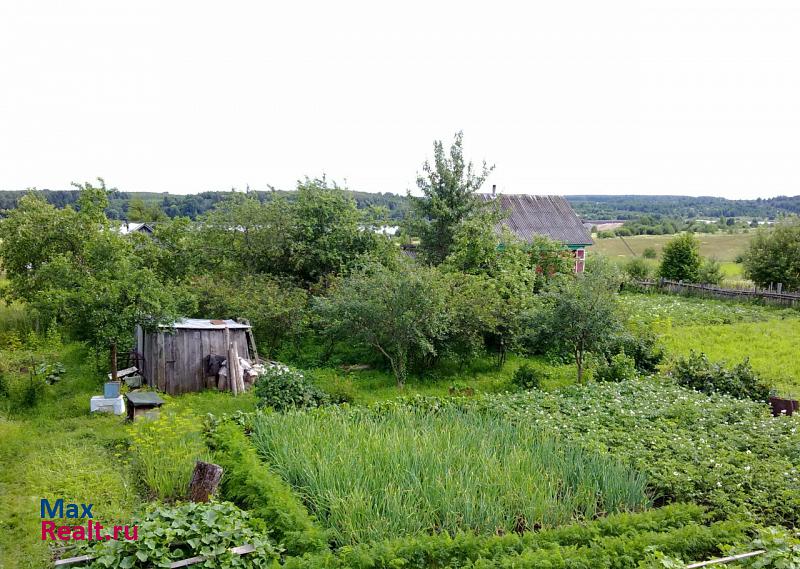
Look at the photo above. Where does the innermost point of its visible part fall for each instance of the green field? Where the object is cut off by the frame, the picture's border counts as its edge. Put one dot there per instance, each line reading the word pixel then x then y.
pixel 725 330
pixel 723 247
pixel 771 347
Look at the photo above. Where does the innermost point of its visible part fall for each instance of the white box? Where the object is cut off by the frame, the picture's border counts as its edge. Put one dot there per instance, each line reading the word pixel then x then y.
pixel 114 405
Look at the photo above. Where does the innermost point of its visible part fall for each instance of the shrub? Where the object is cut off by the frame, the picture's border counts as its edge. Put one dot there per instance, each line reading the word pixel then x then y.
pixel 680 259
pixel 171 533
pixel 164 453
pixel 620 367
pixel 649 253
pixel 394 470
pixel 252 485
pixel 283 388
pixel 643 346
pixel 528 377
pixel 638 269
pixel 710 272
pixel 698 373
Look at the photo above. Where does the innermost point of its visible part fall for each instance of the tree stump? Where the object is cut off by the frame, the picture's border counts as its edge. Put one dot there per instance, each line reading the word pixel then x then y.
pixel 205 481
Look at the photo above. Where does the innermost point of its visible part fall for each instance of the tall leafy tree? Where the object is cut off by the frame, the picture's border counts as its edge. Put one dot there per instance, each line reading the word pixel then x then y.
pixel 581 313
pixel 398 313
pixel 70 266
pixel 448 198
pixel 319 233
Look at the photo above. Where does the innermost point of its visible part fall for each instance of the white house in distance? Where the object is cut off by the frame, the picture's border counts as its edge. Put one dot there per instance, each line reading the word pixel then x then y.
pixel 551 216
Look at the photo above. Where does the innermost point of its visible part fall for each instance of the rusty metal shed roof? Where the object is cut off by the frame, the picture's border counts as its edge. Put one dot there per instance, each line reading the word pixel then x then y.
pixel 529 215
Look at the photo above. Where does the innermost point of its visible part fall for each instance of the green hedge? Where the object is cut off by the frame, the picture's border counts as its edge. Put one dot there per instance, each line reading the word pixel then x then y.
pixel 251 485
pixel 618 541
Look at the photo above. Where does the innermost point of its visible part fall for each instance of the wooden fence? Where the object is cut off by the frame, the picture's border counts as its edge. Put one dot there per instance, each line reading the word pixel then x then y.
pixel 770 296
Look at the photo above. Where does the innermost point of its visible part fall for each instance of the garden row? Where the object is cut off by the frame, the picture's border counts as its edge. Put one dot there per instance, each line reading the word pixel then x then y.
pixel 494 481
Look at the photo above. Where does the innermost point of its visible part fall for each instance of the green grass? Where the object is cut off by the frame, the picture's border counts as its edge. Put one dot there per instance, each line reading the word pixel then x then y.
pixel 771 346
pixel 725 330
pixel 374 474
pixel 722 247
pixel 369 386
pixel 14 319
pixel 58 450
pixel 664 311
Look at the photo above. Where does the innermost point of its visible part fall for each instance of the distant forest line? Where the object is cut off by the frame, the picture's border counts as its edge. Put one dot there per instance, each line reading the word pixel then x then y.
pixel 599 207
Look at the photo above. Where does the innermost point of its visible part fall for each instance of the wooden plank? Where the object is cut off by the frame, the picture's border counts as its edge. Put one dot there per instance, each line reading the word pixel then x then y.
pixel 124 372
pixel 229 355
pixel 238 550
pixel 728 559
pixel 161 364
pixel 73 560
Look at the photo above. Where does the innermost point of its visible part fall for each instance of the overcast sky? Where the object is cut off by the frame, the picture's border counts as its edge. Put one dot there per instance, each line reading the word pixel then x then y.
pixel 695 97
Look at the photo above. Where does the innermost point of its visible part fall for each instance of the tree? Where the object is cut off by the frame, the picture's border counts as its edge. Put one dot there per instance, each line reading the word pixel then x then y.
pixel 581 313
pixel 773 256
pixel 399 313
pixel 139 210
pixel 680 258
pixel 71 267
pixel 327 235
pixel 277 310
pixel 448 198
pixel 319 233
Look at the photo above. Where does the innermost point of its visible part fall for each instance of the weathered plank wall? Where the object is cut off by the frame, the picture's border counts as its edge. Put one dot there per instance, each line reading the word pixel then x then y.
pixel 175 362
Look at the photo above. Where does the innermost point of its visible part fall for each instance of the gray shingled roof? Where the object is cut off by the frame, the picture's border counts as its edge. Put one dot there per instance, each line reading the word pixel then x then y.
pixel 541 215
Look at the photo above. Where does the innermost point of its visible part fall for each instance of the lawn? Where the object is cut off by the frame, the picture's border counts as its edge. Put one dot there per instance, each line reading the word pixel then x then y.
pixel 771 346
pixel 483 470
pixel 725 330
pixel 483 376
pixel 58 450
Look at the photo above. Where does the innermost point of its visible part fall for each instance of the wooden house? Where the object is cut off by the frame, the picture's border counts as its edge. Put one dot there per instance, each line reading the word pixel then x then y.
pixel 527 216
pixel 175 358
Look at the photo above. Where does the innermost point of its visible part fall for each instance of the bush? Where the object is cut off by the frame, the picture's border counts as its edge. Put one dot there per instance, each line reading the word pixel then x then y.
pixel 165 451
pixel 774 257
pixel 638 269
pixel 620 367
pixel 680 259
pixel 696 372
pixel 283 388
pixel 528 377
pixel 171 533
pixel 643 346
pixel 710 272
pixel 252 485
pixel 649 253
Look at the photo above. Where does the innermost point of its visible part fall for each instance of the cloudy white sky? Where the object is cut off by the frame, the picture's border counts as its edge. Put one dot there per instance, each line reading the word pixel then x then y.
pixel 697 97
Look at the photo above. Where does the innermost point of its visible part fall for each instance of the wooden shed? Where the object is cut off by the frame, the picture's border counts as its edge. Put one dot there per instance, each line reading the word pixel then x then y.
pixel 174 359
